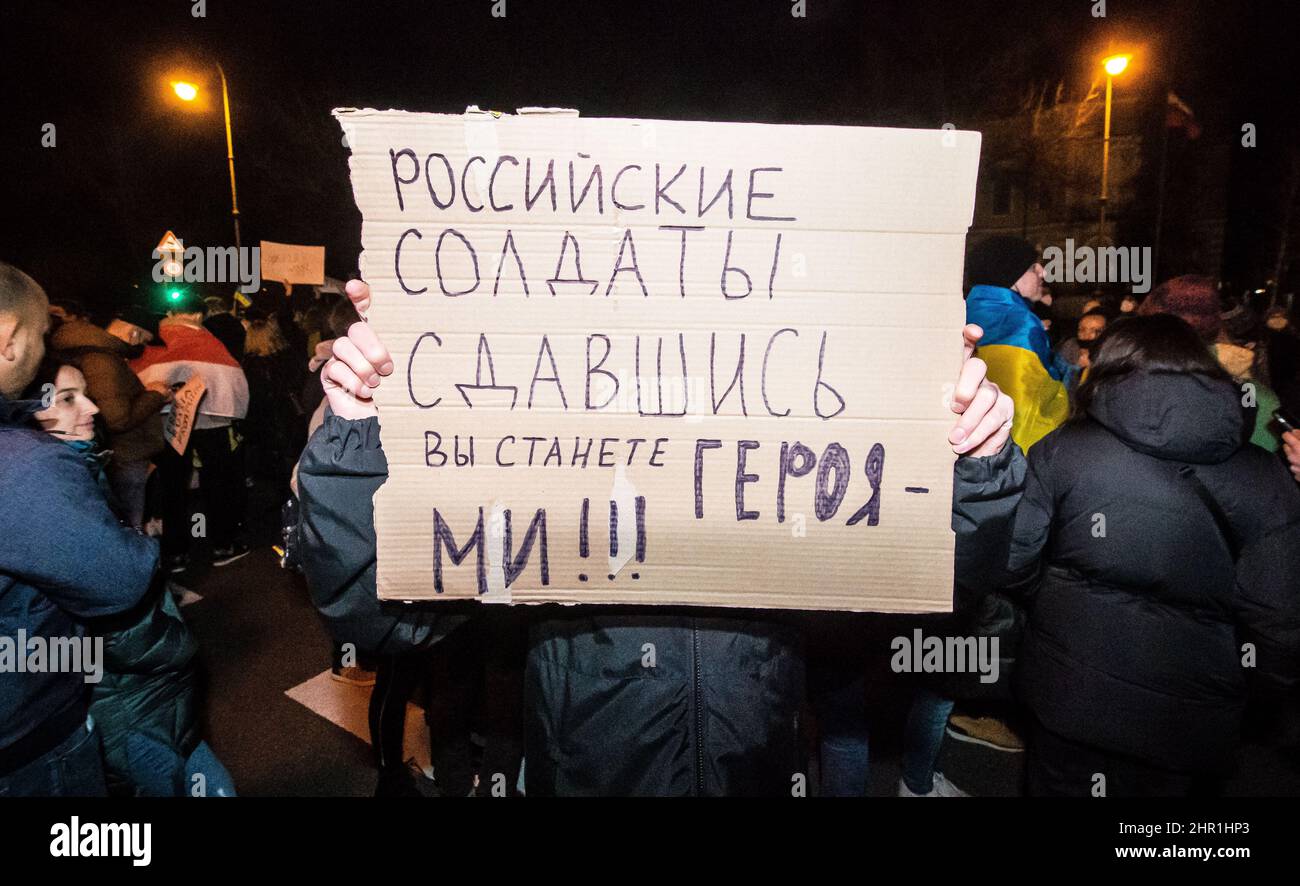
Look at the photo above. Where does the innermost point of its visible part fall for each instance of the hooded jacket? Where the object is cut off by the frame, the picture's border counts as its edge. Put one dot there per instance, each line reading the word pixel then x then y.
pixel 64 558
pixel 129 410
pixel 1138 614
pixel 714 710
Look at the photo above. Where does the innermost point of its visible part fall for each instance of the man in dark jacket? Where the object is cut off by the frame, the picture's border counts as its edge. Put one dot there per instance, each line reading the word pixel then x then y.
pixel 65 557
pixel 719 712
pixel 131 412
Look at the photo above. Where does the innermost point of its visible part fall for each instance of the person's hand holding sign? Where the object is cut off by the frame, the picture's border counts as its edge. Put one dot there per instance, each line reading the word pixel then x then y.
pixel 360 360
pixel 163 390
pixel 986 413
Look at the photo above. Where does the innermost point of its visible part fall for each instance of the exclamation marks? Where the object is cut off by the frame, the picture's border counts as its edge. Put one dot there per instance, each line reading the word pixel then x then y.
pixel 584 533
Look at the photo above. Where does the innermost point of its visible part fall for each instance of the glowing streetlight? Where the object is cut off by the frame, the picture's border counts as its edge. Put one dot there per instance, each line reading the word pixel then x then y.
pixel 1114 65
pixel 186 92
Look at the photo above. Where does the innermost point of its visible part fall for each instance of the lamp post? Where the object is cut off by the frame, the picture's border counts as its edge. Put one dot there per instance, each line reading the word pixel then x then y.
pixel 1114 66
pixel 188 92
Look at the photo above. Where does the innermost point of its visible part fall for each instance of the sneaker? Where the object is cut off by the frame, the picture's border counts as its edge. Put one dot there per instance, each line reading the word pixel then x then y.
pixel 226 556
pixel 990 732
pixel 176 563
pixel 353 676
pixel 941 787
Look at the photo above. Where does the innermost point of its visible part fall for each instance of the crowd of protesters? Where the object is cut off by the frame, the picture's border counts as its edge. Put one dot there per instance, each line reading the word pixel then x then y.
pixel 1126 508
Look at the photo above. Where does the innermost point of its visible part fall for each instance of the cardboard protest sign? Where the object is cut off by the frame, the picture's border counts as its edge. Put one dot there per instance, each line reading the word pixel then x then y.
pixel 179 422
pixel 290 263
pixel 648 361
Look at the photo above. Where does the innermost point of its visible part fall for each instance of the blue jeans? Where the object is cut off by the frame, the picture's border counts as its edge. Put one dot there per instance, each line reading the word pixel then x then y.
pixel 73 769
pixel 156 770
pixel 845 740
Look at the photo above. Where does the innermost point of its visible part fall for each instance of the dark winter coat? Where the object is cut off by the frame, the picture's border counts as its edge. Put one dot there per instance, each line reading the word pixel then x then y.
pixel 338 475
pixel 718 713
pixel 148 685
pixel 229 331
pixel 149 682
pixel 275 419
pixel 1138 619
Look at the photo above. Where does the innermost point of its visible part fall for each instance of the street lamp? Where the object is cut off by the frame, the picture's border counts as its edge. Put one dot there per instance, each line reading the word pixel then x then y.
pixel 1114 66
pixel 188 92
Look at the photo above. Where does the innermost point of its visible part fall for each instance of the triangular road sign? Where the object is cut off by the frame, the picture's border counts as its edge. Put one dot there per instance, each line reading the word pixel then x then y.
pixel 169 243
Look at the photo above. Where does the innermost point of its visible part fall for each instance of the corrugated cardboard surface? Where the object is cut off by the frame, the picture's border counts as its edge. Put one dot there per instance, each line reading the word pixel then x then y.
pixel 866 284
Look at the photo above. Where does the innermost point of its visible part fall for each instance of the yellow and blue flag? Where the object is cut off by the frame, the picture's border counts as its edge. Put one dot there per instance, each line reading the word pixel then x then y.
pixel 1021 362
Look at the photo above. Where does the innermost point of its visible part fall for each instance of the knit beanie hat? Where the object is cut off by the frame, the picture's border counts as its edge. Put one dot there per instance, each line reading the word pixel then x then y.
pixel 999 261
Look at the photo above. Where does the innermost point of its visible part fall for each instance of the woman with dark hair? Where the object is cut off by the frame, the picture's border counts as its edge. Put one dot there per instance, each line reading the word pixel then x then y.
pixel 1160 559
pixel 146 704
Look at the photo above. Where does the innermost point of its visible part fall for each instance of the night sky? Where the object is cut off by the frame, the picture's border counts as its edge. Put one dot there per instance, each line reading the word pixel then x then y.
pixel 129 163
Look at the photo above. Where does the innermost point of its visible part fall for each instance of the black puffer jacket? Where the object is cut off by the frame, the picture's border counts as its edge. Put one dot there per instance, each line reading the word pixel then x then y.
pixel 149 683
pixel 1138 616
pixel 718 713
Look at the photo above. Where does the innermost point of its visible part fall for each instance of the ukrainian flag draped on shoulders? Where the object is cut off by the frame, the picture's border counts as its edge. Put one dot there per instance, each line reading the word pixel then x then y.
pixel 1021 361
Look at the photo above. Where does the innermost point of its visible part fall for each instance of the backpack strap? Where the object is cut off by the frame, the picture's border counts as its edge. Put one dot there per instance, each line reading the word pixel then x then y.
pixel 1188 473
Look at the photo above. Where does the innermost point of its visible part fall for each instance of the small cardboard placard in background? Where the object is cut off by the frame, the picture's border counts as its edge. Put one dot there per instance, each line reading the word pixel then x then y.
pixel 651 361
pixel 179 422
pixel 290 263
